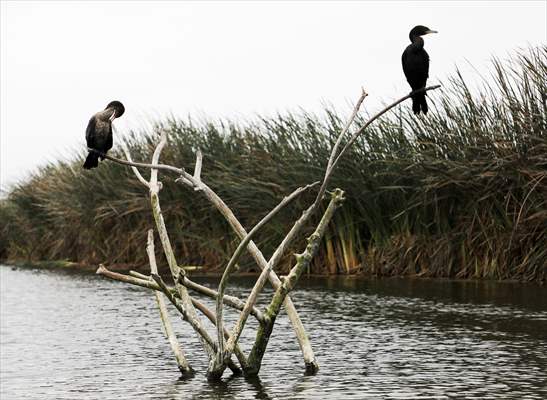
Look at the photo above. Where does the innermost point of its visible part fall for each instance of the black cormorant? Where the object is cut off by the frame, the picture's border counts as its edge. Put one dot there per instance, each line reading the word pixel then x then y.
pixel 99 132
pixel 416 66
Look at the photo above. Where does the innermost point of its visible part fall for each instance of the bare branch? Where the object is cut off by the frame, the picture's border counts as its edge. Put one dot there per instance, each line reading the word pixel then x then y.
pixel 211 317
pixel 135 170
pixel 147 282
pixel 303 260
pixel 289 238
pixel 175 271
pixel 139 275
pixel 168 249
pixel 180 307
pixel 197 169
pixel 156 158
pixel 163 167
pixel 231 301
pixel 171 295
pixel 196 324
pixel 138 279
pixel 300 223
pixel 370 121
pixel 237 254
pixel 226 212
pixel 150 252
pixel 188 180
pixel 182 363
pixel 346 127
pixel 102 270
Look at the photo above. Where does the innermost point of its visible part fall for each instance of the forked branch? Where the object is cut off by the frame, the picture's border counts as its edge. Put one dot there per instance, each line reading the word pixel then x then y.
pixel 218 353
pixel 237 254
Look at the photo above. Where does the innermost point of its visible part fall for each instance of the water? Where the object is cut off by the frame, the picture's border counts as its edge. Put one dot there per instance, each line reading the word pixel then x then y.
pixel 67 336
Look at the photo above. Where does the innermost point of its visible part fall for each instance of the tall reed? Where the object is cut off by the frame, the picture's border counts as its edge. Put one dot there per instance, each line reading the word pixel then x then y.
pixel 460 193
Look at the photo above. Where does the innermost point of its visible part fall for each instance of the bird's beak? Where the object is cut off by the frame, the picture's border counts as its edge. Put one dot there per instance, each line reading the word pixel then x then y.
pixel 113 116
pixel 430 31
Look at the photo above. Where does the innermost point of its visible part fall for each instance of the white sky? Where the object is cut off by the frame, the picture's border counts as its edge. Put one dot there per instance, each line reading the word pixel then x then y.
pixel 63 61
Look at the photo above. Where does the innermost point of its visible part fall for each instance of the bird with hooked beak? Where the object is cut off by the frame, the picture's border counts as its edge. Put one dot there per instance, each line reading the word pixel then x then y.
pixel 99 132
pixel 416 66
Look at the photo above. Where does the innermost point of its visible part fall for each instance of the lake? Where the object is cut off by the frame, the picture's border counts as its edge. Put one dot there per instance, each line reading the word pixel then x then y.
pixel 80 336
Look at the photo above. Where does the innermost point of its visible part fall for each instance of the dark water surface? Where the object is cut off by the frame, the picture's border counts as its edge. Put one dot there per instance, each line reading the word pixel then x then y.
pixel 73 336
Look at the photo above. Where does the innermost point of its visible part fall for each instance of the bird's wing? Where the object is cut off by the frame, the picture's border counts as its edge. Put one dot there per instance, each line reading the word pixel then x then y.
pixel 90 133
pixel 404 61
pixel 109 141
pixel 426 61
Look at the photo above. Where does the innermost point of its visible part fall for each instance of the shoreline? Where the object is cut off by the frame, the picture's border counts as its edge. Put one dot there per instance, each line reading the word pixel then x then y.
pixel 69 266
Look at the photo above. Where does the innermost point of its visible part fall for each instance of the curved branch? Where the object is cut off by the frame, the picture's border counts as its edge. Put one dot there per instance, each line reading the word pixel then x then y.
pixel 365 126
pixel 135 170
pixel 346 127
pixel 299 224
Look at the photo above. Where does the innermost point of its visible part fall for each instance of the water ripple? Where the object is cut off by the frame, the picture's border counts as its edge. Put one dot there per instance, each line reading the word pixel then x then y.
pixel 67 336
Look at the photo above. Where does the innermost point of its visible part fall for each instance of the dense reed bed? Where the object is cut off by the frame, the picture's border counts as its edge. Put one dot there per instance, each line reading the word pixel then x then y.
pixel 461 193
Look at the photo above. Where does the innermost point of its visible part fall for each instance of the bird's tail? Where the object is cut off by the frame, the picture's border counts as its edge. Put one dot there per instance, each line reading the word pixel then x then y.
pixel 92 160
pixel 419 103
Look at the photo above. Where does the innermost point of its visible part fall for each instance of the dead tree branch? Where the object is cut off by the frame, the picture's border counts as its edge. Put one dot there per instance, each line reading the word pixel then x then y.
pixel 230 301
pixel 302 262
pixel 331 165
pixel 193 321
pixel 219 353
pixel 182 363
pixel 237 255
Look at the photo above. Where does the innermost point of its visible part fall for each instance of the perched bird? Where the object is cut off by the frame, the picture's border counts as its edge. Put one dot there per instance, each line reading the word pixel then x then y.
pixel 99 132
pixel 416 66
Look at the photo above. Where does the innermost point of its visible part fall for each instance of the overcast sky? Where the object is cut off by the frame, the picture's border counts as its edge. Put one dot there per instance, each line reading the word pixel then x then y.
pixel 63 61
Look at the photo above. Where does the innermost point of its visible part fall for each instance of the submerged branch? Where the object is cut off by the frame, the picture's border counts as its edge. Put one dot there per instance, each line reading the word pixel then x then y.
pixel 302 262
pixel 231 264
pixel 212 317
pixel 193 321
pixel 237 227
pixel 282 290
pixel 182 363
